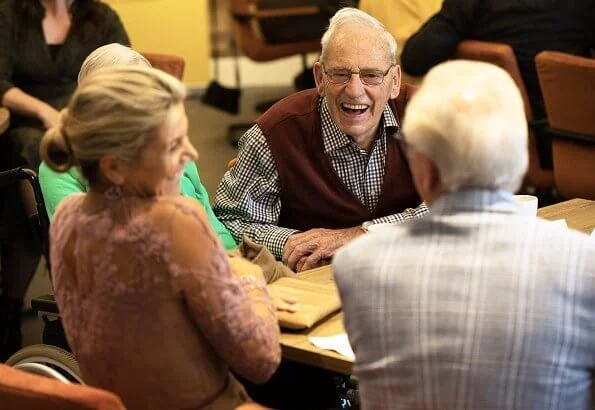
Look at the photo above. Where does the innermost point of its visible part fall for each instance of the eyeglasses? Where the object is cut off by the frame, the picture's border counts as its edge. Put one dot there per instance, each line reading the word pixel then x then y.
pixel 367 76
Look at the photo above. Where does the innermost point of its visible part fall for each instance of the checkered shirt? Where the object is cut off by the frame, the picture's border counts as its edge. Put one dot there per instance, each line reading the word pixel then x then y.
pixel 248 198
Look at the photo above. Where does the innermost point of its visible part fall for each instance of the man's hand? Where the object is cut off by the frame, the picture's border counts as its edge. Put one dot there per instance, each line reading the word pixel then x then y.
pixel 308 249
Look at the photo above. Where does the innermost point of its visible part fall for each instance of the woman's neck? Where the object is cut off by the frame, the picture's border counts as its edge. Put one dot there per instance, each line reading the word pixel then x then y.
pixel 55 7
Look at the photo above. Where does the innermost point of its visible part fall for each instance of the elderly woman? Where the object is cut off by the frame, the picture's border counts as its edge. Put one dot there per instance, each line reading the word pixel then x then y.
pixel 149 303
pixel 58 185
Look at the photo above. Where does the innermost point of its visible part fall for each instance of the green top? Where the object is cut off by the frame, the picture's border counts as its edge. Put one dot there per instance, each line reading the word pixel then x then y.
pixel 56 186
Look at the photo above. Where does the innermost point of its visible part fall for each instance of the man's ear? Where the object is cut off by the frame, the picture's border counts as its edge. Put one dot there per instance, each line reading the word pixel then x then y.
pixel 426 176
pixel 113 169
pixel 319 78
pixel 395 82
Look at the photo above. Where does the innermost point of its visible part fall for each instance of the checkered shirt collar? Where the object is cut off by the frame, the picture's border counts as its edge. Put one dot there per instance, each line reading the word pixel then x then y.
pixel 335 139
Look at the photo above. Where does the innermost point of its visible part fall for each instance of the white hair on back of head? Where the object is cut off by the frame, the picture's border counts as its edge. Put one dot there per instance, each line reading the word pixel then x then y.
pixel 111 55
pixel 468 118
pixel 350 15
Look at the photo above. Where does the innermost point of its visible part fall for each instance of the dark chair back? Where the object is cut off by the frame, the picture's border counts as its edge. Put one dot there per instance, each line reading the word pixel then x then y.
pixel 246 15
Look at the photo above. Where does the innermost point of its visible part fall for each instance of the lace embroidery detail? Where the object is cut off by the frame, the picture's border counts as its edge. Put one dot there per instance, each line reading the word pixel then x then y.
pixel 114 269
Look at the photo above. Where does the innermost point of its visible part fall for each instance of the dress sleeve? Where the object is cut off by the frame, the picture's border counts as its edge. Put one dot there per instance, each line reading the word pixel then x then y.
pixel 437 40
pixel 55 186
pixel 114 30
pixel 231 308
pixel 6 48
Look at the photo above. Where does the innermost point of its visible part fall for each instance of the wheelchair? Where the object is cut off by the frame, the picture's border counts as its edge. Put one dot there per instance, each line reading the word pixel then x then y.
pixel 52 358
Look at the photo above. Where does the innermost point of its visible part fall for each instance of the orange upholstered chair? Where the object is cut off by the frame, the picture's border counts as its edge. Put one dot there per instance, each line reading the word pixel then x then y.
pixel 503 56
pixel 568 86
pixel 171 64
pixel 20 390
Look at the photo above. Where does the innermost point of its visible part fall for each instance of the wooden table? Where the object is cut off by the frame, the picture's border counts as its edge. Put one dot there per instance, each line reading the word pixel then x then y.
pixel 4 119
pixel 298 348
pixel 579 215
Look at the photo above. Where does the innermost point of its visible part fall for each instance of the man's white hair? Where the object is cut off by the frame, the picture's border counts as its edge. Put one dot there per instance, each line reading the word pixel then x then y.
pixel 350 15
pixel 468 118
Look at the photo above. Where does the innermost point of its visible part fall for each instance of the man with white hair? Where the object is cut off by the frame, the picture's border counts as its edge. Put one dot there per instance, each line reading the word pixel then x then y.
pixel 476 305
pixel 321 164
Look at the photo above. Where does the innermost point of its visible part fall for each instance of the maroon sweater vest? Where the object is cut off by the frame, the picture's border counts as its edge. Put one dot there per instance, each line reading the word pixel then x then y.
pixel 312 194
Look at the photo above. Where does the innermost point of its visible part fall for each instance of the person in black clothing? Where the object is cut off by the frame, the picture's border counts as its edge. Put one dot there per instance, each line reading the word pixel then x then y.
pixel 528 26
pixel 42 46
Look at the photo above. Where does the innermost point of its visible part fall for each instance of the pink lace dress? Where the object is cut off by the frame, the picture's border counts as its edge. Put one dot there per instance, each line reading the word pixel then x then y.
pixel 151 308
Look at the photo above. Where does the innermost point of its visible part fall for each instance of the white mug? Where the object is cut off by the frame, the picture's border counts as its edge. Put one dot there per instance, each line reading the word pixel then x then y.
pixel 527 204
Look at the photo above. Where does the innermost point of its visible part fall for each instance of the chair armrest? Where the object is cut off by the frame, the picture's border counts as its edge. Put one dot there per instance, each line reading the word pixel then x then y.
pixel 570 136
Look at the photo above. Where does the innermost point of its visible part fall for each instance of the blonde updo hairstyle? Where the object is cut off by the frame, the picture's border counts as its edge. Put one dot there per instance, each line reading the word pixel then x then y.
pixel 114 111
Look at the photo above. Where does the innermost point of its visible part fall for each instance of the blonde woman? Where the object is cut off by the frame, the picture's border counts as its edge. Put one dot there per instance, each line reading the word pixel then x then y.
pixel 149 304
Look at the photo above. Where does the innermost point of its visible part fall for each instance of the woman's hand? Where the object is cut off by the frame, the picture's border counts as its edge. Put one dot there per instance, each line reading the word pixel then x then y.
pixel 49 116
pixel 286 304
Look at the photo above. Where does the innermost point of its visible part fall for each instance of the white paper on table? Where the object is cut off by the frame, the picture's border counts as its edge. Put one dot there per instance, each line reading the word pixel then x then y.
pixel 338 343
pixel 593 234
pixel 561 222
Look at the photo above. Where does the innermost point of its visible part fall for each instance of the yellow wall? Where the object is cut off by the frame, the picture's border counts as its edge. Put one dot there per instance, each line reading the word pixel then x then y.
pixel 178 27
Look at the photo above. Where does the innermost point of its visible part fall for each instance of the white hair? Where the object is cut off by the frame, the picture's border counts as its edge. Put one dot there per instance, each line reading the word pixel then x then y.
pixel 468 118
pixel 111 55
pixel 350 15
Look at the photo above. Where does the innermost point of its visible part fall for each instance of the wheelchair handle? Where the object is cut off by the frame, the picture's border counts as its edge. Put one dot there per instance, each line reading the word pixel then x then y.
pixel 12 175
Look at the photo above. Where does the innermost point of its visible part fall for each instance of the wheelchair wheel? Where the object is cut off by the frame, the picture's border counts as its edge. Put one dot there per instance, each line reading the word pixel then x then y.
pixel 49 361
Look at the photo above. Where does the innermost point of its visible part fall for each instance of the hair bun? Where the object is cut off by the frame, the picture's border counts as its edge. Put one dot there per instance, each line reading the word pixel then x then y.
pixel 55 148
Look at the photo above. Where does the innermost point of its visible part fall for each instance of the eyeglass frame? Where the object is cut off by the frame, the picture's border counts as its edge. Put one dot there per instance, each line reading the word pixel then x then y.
pixel 351 73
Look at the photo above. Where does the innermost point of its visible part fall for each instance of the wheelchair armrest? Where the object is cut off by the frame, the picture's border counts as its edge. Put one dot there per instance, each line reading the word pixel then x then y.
pixel 45 304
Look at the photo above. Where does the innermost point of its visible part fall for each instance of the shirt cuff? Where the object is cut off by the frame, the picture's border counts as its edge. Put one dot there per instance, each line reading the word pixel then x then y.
pixel 275 240
pixel 409 213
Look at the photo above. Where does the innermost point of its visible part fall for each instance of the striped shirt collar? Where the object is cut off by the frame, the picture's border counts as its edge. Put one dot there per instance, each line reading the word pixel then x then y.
pixel 472 200
pixel 335 139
